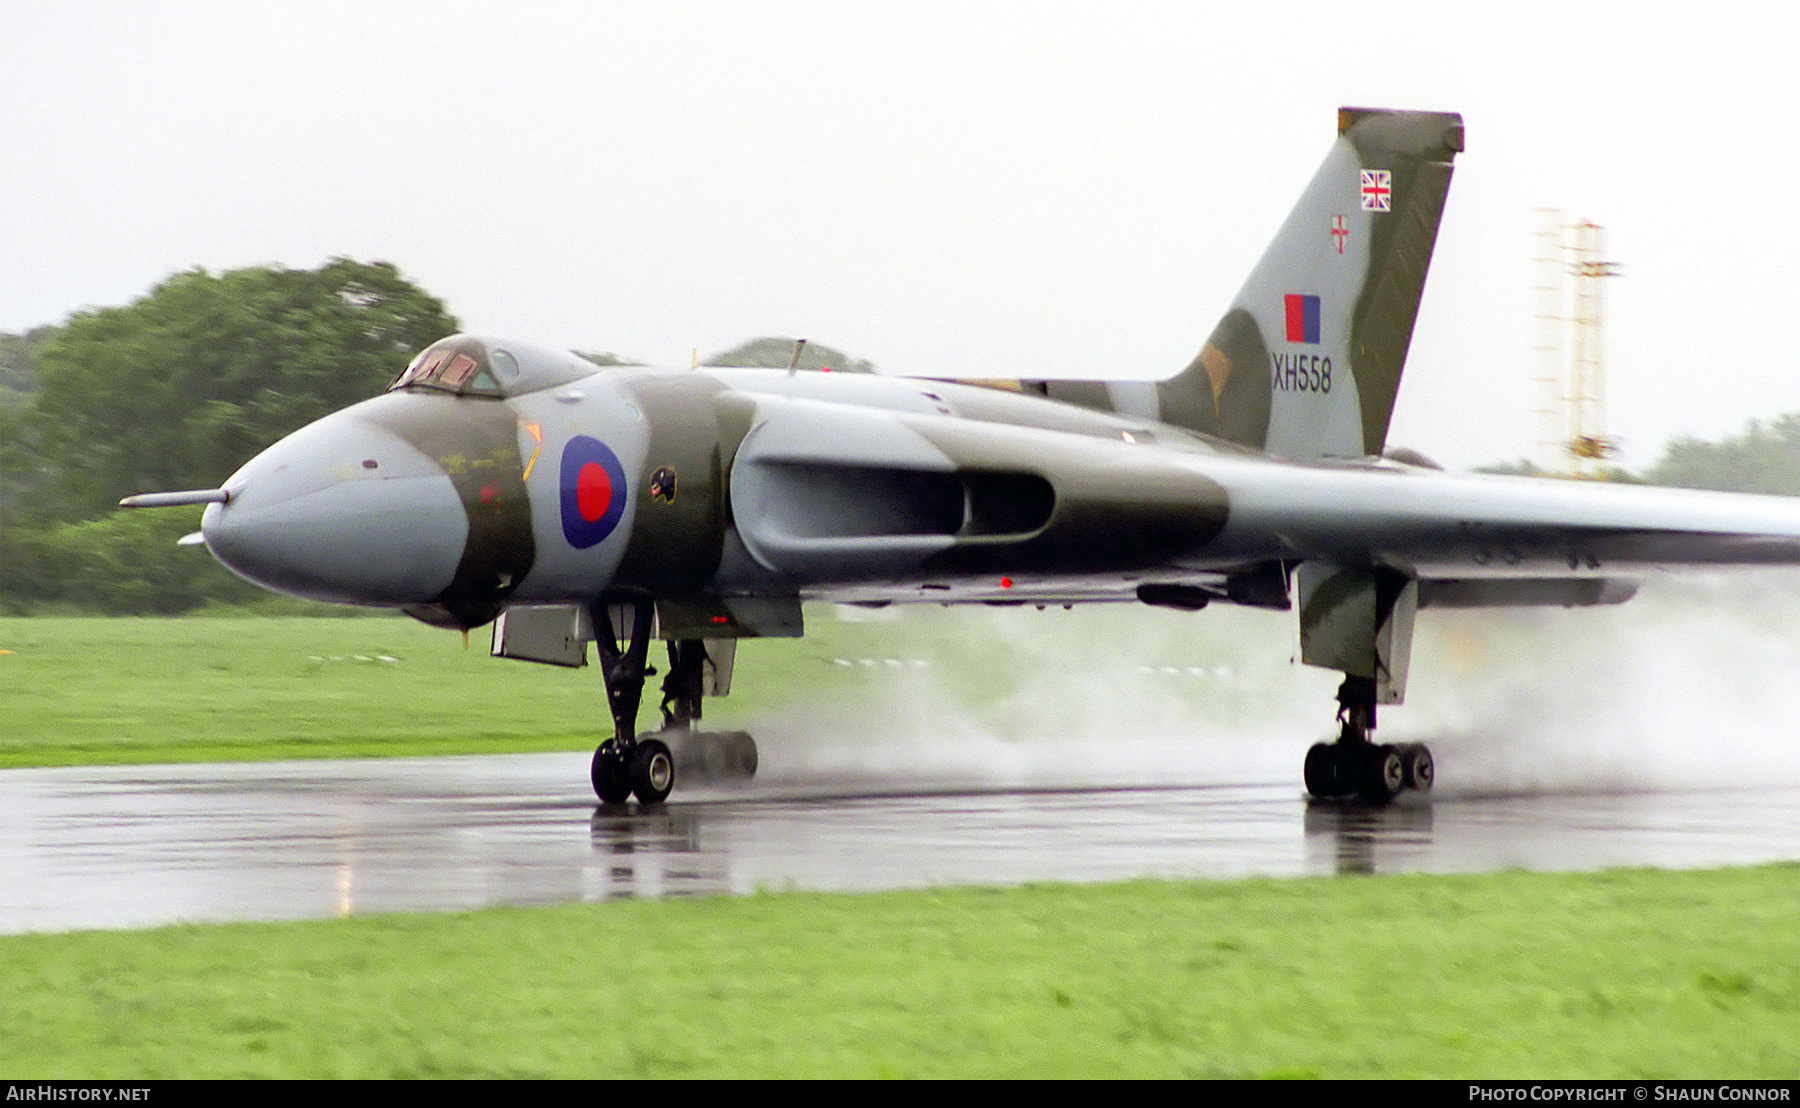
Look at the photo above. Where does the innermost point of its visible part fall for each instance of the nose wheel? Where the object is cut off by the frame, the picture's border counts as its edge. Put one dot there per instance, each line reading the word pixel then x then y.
pixel 611 772
pixel 625 765
pixel 645 769
pixel 644 766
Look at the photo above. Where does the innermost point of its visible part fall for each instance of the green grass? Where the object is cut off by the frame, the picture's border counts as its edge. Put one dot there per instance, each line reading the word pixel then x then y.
pixel 1622 974
pixel 82 690
pixel 249 686
pixel 94 690
pixel 142 690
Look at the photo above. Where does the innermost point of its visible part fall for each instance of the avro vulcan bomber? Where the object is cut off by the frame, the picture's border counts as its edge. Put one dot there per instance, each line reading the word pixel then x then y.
pixel 568 504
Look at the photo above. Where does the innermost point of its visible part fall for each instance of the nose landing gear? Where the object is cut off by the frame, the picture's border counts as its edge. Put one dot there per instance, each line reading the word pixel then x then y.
pixel 645 766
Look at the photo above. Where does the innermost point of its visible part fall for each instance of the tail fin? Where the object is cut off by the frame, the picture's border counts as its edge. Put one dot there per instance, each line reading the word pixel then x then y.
pixel 1307 362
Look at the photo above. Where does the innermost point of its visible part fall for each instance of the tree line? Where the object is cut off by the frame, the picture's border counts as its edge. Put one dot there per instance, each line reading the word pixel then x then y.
pixel 175 391
pixel 182 386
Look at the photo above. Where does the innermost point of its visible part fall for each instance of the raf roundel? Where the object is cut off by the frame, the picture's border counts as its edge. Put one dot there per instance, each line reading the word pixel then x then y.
pixel 593 492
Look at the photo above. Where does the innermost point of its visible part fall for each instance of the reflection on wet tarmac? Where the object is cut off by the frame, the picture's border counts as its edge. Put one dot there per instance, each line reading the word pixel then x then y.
pixel 1357 834
pixel 135 846
pixel 654 852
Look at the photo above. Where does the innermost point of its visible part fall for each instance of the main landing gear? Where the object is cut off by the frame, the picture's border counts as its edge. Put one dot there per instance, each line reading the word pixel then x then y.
pixel 624 765
pixel 709 755
pixel 1354 766
pixel 644 766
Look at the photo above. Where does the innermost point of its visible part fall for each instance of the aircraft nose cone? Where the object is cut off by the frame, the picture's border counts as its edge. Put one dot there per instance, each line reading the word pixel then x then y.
pixel 344 511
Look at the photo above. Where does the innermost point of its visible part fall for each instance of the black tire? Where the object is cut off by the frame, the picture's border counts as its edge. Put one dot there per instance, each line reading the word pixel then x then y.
pixel 611 775
pixel 1421 771
pixel 1383 773
pixel 740 752
pixel 652 771
pixel 714 757
pixel 1321 771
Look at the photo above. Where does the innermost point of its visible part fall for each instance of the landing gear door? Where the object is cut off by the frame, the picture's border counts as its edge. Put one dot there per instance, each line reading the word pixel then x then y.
pixel 721 656
pixel 555 635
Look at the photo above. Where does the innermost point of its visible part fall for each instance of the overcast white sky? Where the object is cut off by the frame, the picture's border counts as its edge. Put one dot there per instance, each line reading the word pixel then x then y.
pixel 977 188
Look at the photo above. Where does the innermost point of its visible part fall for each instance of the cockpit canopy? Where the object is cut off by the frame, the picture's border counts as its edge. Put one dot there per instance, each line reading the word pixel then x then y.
pixel 469 365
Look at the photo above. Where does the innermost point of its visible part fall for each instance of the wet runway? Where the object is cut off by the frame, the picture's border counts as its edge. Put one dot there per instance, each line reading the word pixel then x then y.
pixel 114 847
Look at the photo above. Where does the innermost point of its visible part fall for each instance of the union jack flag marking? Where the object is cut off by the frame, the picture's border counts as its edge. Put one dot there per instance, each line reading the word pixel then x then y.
pixel 1377 190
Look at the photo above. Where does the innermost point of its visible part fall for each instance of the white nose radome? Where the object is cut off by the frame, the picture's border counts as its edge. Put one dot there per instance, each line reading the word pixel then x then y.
pixel 344 511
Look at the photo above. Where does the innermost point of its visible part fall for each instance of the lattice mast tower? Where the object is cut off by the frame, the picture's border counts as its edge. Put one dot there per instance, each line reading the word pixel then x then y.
pixel 1571 267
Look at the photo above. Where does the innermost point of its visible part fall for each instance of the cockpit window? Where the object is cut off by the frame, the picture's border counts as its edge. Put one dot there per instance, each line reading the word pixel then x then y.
pixel 458 371
pixel 427 363
pixel 466 365
pixel 458 364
